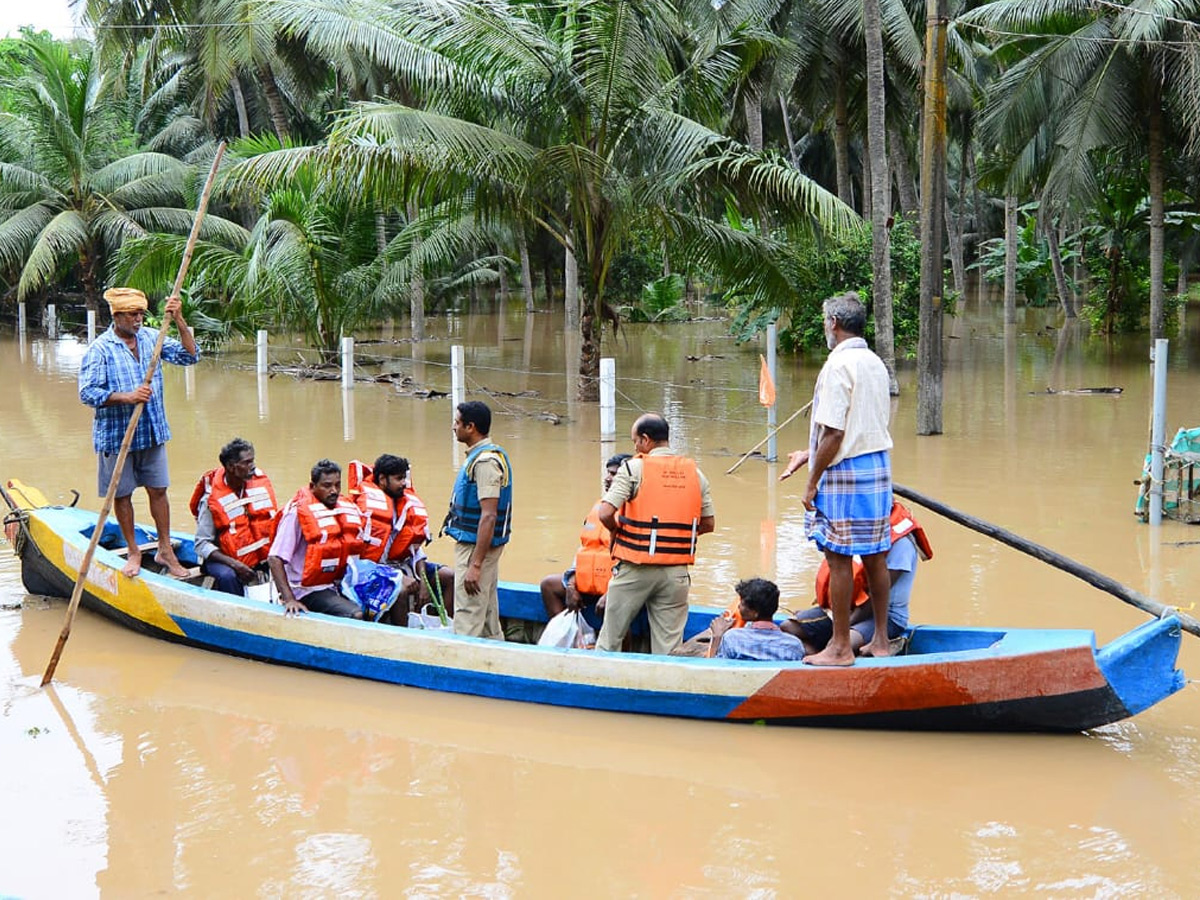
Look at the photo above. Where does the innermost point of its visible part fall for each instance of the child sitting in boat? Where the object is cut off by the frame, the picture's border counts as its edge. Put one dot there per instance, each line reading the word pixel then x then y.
pixel 760 638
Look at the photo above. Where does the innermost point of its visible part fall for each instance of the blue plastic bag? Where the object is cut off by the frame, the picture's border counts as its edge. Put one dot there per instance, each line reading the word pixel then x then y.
pixel 374 587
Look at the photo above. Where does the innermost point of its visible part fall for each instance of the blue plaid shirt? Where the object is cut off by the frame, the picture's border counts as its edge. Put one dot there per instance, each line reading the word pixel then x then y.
pixel 110 367
pixel 753 642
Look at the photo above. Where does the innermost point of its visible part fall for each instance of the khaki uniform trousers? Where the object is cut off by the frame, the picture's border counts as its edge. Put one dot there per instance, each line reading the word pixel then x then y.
pixel 663 590
pixel 478 615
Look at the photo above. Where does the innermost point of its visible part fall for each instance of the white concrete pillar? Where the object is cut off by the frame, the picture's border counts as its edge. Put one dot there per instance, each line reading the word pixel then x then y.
pixel 261 347
pixel 347 363
pixel 91 313
pixel 608 398
pixel 21 317
pixel 1158 431
pixel 458 377
pixel 772 410
pixel 52 320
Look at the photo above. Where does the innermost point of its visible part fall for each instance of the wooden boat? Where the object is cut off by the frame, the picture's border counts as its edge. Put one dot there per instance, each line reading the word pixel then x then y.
pixel 947 678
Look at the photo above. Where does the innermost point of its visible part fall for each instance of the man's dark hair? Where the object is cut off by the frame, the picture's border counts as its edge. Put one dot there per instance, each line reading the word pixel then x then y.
pixel 233 451
pixel 654 427
pixel 477 413
pixel 390 465
pixel 848 312
pixel 614 461
pixel 760 595
pixel 322 468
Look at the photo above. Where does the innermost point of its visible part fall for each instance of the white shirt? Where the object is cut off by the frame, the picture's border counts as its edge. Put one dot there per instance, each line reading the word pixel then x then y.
pixel 852 395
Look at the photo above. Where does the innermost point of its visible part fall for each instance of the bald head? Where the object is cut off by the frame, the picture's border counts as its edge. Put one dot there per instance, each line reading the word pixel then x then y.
pixel 653 428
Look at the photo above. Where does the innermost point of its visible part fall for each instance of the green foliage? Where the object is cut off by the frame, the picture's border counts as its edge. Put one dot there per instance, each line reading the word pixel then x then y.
pixel 638 263
pixel 820 269
pixel 661 301
pixel 1035 271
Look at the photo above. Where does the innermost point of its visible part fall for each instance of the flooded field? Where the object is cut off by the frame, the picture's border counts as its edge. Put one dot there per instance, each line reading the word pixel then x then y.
pixel 152 768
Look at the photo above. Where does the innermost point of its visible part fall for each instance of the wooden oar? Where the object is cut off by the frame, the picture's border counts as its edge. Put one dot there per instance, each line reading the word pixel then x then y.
pixel 110 494
pixel 770 434
pixel 1037 551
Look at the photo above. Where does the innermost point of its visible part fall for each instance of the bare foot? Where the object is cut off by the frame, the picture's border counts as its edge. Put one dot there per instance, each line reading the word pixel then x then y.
pixel 133 564
pixel 171 564
pixel 876 649
pixel 832 656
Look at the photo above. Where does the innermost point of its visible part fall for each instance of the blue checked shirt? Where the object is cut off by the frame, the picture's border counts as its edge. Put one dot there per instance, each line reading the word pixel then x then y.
pixel 110 367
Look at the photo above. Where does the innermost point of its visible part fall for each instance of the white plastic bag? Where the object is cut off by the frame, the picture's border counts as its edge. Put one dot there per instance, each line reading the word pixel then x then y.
pixel 568 629
pixel 428 619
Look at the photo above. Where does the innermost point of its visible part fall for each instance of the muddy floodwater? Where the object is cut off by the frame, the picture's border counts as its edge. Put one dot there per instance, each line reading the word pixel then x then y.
pixel 152 769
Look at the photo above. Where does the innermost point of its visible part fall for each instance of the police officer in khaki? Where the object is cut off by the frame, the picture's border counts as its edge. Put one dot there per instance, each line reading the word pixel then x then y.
pixel 658 505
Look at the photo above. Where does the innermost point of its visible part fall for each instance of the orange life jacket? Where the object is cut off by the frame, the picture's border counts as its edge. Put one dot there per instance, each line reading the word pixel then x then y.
pixel 658 525
pixel 593 560
pixel 396 526
pixel 331 537
pixel 902 524
pixel 245 522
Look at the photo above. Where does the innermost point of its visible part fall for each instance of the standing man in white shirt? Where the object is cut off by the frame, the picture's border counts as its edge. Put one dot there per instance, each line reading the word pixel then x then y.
pixel 848 498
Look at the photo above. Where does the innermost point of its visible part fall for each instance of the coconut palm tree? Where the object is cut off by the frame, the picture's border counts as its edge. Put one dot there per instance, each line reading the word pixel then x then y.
pixel 573 114
pixel 1094 77
pixel 71 190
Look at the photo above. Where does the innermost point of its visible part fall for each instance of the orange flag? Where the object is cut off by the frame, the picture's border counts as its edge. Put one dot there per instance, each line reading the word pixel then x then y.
pixel 766 384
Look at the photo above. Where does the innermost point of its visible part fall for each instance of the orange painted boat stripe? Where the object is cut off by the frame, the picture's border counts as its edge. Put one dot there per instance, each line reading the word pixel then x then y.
pixel 871 689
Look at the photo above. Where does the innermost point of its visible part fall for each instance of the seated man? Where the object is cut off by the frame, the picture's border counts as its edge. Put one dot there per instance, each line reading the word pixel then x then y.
pixel 761 638
pixel 235 509
pixel 318 531
pixel 397 532
pixel 583 585
pixel 909 543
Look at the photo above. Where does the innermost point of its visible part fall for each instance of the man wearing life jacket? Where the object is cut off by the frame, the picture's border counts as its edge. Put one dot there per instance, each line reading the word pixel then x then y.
pixel 656 508
pixel 397 530
pixel 235 512
pixel 582 585
pixel 480 521
pixel 909 544
pixel 318 531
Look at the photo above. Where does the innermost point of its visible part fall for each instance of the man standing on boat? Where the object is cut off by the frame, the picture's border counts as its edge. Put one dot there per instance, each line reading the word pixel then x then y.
pixel 657 506
pixel 848 497
pixel 111 380
pixel 235 510
pixel 480 521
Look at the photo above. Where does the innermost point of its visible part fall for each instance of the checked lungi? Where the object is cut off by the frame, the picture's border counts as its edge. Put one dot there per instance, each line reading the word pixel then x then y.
pixel 853 506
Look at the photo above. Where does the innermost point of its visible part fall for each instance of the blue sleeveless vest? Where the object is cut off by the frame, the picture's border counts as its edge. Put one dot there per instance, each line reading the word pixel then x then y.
pixel 462 521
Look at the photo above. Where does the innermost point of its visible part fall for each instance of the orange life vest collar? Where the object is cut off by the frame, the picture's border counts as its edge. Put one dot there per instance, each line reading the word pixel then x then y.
pixel 244 521
pixel 593 560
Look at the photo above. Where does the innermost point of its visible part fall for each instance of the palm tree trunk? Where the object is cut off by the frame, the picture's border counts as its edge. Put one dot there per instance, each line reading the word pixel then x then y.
pixel 502 273
pixel 526 274
pixel 877 155
pixel 841 137
pixel 275 105
pixel 1060 273
pixel 933 187
pixel 571 288
pixel 416 285
pixel 787 133
pixel 752 106
pixel 1010 260
pixel 589 351
pixel 1157 209
pixel 906 184
pixel 239 103
pixel 954 233
pixel 87 279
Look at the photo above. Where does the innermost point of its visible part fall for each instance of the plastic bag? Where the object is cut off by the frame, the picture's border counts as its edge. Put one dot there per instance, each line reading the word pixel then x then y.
pixel 429 619
pixel 568 629
pixel 374 587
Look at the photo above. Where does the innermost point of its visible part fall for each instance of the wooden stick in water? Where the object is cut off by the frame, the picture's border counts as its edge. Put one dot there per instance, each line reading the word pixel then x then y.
pixel 778 428
pixel 110 494
pixel 1046 555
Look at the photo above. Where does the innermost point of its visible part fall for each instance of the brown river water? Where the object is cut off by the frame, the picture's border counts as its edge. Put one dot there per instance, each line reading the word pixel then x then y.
pixel 152 769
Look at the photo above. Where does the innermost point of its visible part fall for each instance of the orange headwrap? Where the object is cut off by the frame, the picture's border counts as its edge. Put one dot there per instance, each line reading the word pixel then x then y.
pixel 122 300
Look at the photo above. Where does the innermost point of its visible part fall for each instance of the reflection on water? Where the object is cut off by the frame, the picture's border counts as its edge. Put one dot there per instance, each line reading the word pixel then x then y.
pixel 154 768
